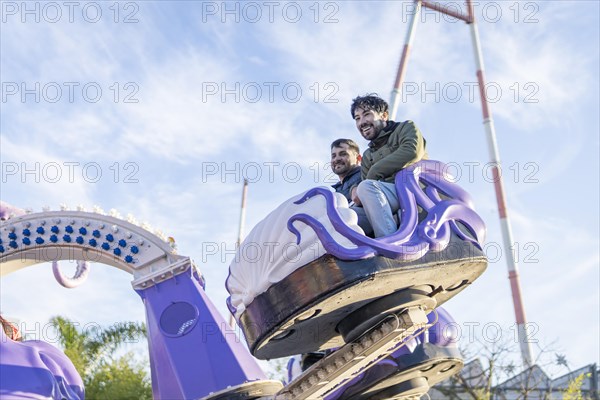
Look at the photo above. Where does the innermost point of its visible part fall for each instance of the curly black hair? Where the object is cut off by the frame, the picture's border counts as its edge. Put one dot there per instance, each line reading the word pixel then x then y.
pixel 370 101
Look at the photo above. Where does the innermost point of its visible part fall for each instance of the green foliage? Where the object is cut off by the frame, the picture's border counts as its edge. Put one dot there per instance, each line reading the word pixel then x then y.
pixel 573 392
pixel 278 369
pixel 91 350
pixel 121 379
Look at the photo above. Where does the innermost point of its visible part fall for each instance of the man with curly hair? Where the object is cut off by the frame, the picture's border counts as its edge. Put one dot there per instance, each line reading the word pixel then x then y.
pixel 393 146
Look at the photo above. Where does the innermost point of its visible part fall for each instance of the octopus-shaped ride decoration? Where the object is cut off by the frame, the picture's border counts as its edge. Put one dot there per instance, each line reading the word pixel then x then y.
pixel 413 238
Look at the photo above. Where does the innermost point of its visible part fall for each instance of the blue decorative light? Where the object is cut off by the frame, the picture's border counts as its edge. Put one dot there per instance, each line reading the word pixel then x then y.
pixel 96 233
pixel 67 238
pixel 117 251
pixel 13 244
pixel 1 249
pixel 12 236
pixel 93 242
pixel 54 229
pixel 106 246
pixel 69 229
pixel 39 240
pixel 26 241
pixel 128 259
pixel 110 237
pixel 122 243
pixel 53 238
pixel 40 230
pixel 82 231
pixel 134 249
pixel 26 232
pixel 79 240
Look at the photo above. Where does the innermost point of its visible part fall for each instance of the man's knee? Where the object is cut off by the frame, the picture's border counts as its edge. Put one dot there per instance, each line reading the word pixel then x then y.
pixel 365 187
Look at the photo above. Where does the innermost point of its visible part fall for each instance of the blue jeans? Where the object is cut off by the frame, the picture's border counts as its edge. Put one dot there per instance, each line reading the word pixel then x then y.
pixel 379 204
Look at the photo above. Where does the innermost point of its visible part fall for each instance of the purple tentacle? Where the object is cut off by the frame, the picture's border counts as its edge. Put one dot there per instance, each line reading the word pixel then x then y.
pixel 366 246
pixel 435 179
pixel 471 221
pixel 443 212
pixel 401 236
pixel 434 176
pixel 230 306
pixel 81 274
pixel 374 246
pixel 412 240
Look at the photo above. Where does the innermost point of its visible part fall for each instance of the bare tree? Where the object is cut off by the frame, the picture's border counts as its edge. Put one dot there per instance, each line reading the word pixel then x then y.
pixel 491 373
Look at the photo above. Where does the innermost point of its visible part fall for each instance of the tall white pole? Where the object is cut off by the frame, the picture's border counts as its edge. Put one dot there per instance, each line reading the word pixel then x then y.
pixel 242 214
pixel 241 231
pixel 412 27
pixel 513 274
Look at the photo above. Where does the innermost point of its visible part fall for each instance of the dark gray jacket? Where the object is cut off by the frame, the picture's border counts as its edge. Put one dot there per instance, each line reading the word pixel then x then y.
pixel 350 180
pixel 399 145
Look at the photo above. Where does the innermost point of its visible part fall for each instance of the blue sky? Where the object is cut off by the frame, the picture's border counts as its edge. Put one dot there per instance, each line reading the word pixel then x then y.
pixel 158 109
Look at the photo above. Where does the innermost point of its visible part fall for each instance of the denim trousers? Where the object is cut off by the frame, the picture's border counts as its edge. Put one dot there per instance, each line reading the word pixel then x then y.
pixel 379 204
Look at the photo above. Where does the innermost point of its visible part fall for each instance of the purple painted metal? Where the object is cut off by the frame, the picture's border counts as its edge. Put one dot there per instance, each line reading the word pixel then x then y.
pixel 412 239
pixel 36 370
pixel 442 335
pixel 193 351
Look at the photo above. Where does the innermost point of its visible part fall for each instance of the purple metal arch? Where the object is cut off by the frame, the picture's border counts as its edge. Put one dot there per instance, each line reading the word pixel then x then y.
pixel 412 239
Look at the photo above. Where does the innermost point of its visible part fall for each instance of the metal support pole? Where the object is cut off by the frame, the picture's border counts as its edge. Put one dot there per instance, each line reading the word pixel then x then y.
pixel 513 274
pixel 395 97
pixel 488 123
pixel 242 214
pixel 240 233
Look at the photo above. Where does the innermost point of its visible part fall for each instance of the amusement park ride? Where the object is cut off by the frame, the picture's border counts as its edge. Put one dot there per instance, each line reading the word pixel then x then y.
pixel 373 299
pixel 376 302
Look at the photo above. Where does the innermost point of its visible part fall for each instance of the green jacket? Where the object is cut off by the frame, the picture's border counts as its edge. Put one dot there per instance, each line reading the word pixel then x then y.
pixel 398 145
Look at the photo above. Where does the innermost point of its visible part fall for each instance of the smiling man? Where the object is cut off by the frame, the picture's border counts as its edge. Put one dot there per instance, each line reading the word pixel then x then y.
pixel 393 146
pixel 345 163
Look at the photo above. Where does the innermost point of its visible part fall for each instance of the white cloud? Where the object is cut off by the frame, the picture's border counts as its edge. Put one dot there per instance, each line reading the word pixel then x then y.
pixel 33 176
pixel 171 133
pixel 542 75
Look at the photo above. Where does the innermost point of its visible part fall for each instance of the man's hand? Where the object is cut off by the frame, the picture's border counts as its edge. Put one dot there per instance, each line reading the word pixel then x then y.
pixel 354 197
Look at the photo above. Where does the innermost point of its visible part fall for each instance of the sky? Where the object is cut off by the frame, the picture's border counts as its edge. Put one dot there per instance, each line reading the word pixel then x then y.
pixel 160 109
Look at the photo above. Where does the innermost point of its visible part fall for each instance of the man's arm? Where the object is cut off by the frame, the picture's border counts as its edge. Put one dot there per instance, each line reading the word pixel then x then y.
pixel 354 196
pixel 365 165
pixel 410 148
